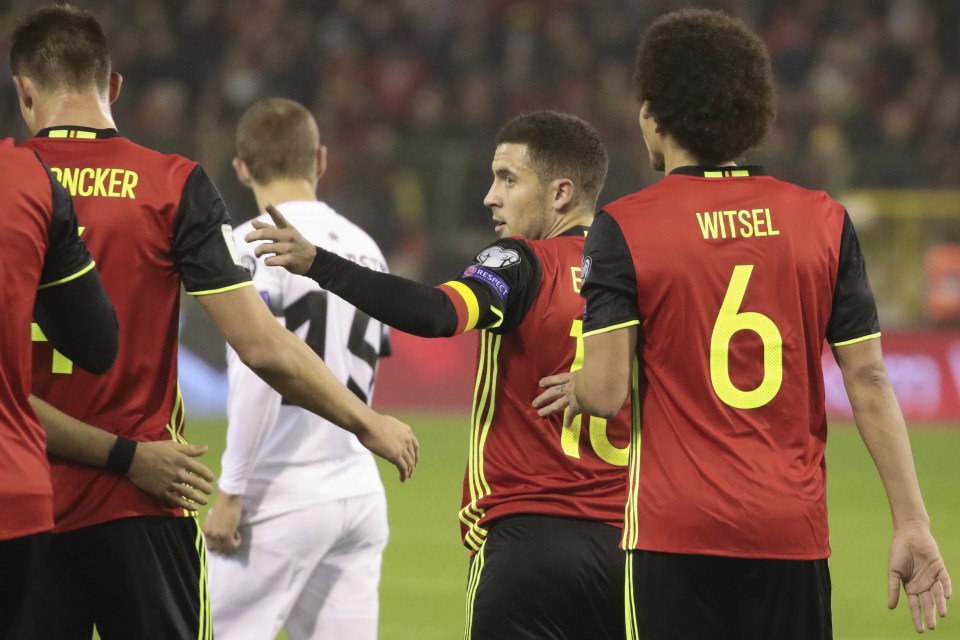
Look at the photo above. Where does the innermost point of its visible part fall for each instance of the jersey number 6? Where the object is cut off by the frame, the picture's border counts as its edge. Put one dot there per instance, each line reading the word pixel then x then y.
pixel 729 321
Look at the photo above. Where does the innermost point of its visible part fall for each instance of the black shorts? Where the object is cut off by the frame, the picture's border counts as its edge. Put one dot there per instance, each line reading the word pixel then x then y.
pixel 142 577
pixel 546 578
pixel 21 563
pixel 680 597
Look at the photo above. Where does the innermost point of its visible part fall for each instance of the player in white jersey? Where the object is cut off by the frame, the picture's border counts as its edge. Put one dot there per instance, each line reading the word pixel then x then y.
pixel 300 523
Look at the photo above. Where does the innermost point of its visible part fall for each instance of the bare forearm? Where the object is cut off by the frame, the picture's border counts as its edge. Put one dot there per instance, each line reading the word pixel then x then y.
pixel 300 376
pixel 72 439
pixel 884 432
pixel 603 384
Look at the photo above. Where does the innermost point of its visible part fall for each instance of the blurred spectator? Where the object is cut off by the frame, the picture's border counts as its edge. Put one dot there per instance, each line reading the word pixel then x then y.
pixel 409 93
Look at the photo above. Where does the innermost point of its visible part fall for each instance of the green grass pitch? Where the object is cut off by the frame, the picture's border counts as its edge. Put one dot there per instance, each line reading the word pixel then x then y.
pixel 424 570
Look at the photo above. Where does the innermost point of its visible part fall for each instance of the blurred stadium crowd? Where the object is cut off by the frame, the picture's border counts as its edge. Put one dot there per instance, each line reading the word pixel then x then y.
pixel 411 92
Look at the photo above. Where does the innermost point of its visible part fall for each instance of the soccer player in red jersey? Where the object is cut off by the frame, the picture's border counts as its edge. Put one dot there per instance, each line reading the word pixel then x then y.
pixel 542 503
pixel 123 559
pixel 42 249
pixel 724 283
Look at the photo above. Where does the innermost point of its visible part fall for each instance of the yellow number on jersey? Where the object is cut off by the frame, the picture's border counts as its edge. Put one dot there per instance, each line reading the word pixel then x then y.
pixel 729 322
pixel 570 436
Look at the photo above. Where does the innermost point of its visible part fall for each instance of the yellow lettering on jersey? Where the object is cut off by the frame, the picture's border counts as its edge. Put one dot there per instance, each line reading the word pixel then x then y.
pixel 772 231
pixel 746 225
pixel 708 224
pixel 742 223
pixel 577 280
pixel 100 182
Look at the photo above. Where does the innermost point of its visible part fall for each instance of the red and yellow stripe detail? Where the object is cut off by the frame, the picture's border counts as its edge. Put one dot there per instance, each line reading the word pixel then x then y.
pixel 465 302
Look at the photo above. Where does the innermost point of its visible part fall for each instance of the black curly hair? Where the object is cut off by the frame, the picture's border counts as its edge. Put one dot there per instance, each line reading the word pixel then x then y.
pixel 707 81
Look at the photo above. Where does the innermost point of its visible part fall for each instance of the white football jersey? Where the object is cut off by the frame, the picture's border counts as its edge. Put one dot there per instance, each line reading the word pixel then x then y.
pixel 277 454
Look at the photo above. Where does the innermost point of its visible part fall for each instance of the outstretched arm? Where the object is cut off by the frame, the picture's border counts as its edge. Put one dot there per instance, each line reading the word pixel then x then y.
pixel 404 304
pixel 915 560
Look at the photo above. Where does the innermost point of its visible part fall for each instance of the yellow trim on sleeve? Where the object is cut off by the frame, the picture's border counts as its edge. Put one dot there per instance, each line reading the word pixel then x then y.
pixel 470 299
pixel 499 315
pixel 856 340
pixel 87 268
pixel 622 325
pixel 239 285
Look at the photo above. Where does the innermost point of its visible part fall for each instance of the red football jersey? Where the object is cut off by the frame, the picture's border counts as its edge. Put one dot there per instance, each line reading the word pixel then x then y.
pixel 520 463
pixel 737 279
pixel 42 248
pixel 151 220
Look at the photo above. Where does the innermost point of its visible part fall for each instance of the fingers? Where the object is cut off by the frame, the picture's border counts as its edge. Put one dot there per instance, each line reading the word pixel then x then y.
pixel 223 544
pixel 192 450
pixel 549 396
pixel 195 480
pixel 277 217
pixel 893 589
pixel 916 612
pixel 558 405
pixel 569 416
pixel 940 599
pixel 947 585
pixel 929 610
pixel 201 471
pixel 272 248
pixel 560 378
pixel 268 232
pixel 257 224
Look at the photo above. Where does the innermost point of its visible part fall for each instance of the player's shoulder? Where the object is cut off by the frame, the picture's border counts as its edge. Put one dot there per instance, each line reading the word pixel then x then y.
pixel 818 196
pixel 638 202
pixel 338 229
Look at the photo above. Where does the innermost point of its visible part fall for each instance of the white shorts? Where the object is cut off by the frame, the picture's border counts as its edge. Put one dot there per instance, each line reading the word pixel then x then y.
pixel 314 571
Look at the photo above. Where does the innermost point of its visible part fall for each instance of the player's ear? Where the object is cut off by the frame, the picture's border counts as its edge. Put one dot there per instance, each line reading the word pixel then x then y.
pixel 563 191
pixel 26 91
pixel 243 174
pixel 116 81
pixel 646 115
pixel 321 161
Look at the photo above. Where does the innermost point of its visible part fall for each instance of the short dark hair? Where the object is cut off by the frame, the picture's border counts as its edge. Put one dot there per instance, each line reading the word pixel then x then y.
pixel 561 146
pixel 707 81
pixel 61 46
pixel 278 138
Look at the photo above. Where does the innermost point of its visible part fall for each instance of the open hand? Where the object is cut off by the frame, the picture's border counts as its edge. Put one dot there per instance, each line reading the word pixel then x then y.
pixel 915 561
pixel 167 470
pixel 286 247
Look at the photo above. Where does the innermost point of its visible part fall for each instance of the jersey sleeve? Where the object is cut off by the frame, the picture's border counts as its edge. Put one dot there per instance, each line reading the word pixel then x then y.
pixel 497 290
pixel 67 257
pixel 203 243
pixel 853 317
pixel 609 282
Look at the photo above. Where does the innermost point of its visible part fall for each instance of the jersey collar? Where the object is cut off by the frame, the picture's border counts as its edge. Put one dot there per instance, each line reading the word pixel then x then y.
pixel 80 133
pixel 720 172
pixel 579 230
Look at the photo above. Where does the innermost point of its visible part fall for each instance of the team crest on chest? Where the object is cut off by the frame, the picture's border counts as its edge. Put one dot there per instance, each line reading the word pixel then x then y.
pixel 497 257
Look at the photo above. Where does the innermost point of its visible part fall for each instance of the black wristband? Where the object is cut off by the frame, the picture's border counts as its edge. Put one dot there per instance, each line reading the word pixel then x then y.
pixel 121 456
